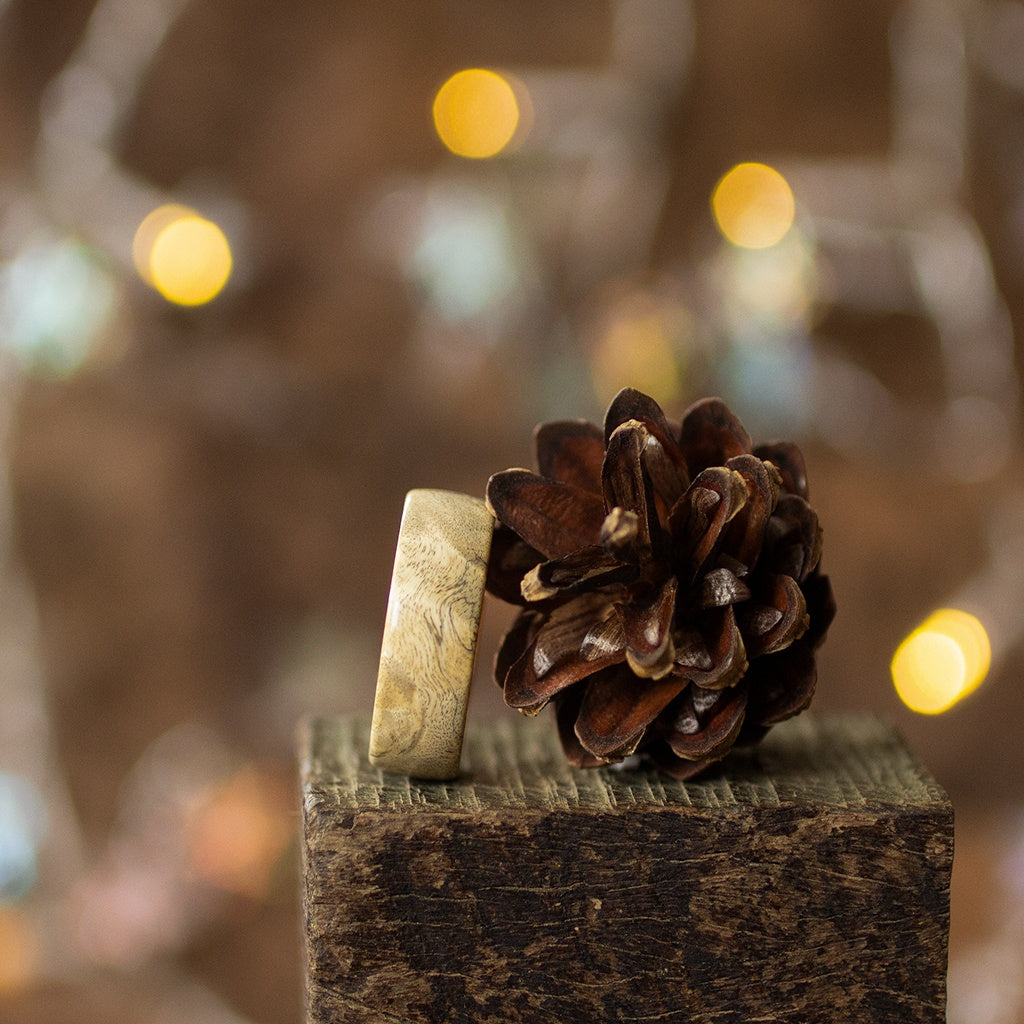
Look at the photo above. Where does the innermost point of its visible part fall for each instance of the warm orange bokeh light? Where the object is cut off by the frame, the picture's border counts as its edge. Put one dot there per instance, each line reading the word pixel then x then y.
pixel 19 951
pixel 148 231
pixel 753 206
pixel 238 834
pixel 636 339
pixel 183 256
pixel 941 662
pixel 476 113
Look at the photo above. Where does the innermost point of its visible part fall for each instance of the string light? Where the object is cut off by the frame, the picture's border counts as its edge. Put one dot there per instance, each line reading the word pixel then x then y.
pixel 476 113
pixel 753 206
pixel 942 661
pixel 182 255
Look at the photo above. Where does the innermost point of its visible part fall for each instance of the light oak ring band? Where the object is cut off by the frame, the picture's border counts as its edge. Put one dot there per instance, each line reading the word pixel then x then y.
pixel 430 634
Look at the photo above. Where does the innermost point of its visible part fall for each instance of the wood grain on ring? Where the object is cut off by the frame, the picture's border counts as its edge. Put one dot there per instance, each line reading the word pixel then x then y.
pixel 430 635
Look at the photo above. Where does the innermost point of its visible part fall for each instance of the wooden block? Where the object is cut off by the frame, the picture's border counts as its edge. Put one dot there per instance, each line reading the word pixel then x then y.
pixel 805 881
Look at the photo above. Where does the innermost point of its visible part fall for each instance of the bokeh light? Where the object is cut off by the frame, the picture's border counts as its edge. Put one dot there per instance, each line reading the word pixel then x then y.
pixel 133 907
pixel 149 230
pixel 766 303
pixel 57 300
pixel 23 825
pixel 182 255
pixel 19 951
pixel 238 833
pixel 942 661
pixel 464 254
pixel 476 113
pixel 753 206
pixel 644 338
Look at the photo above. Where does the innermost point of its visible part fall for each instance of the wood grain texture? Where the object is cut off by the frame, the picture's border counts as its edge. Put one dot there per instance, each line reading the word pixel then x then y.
pixel 805 881
pixel 430 634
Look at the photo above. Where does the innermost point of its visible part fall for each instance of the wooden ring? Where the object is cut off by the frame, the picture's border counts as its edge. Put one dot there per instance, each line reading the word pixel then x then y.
pixel 430 634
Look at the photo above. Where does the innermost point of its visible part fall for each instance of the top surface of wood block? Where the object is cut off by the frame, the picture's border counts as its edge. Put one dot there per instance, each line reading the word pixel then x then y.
pixel 841 761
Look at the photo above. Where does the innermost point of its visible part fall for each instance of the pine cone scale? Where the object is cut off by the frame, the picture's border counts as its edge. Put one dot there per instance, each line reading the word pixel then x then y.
pixel 726 652
pixel 746 532
pixel 698 519
pixel 625 485
pixel 789 461
pixel 667 470
pixel 571 452
pixel 663 459
pixel 710 435
pixel 795 537
pixel 556 654
pixel 773 625
pixel 647 627
pixel 510 560
pixel 783 685
pixel 593 566
pixel 554 518
pixel 699 735
pixel 818 594
pixel 722 587
pixel 613 718
pixel 630 404
pixel 567 711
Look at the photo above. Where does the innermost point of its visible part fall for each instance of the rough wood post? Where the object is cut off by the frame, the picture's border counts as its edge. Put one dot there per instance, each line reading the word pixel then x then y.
pixel 807 881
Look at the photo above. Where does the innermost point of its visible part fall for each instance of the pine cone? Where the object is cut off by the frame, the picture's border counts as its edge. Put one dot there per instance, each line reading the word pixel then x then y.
pixel 669 580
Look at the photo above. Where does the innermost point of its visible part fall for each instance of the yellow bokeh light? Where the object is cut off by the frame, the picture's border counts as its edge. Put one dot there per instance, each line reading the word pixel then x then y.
pixel 753 206
pixel 476 113
pixel 941 662
pixel 148 231
pixel 636 342
pixel 972 639
pixel 190 261
pixel 183 256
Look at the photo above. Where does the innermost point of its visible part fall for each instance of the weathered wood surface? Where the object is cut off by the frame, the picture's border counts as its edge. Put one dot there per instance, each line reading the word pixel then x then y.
pixel 430 634
pixel 806 881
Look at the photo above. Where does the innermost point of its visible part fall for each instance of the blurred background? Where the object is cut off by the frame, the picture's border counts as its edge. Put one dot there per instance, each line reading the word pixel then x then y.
pixel 264 267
